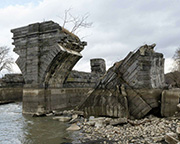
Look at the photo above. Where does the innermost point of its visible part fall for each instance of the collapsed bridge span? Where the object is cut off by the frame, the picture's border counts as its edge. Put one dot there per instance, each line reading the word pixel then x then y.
pixel 131 88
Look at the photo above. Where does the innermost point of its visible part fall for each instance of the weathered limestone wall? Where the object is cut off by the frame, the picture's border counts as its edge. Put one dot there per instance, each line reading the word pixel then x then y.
pixel 142 101
pixel 44 100
pixel 169 101
pixel 11 87
pixel 98 66
pixel 75 90
pixel 11 94
pixel 144 68
pixel 77 79
pixel 12 80
pixel 41 46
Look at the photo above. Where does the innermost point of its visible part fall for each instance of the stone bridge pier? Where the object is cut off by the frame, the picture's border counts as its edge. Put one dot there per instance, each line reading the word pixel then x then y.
pixel 47 53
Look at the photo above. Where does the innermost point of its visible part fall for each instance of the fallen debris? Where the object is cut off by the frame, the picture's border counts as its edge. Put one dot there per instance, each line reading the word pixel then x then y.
pixel 62 118
pixel 148 130
pixel 73 127
pixel 118 121
pixel 131 88
pixel 171 138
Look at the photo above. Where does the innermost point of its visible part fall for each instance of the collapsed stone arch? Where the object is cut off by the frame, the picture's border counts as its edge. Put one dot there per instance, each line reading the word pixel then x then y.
pixel 47 53
pixel 60 66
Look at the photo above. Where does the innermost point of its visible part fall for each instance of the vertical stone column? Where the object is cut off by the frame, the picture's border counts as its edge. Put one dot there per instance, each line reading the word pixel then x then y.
pixel 98 66
pixel 169 101
pixel 32 60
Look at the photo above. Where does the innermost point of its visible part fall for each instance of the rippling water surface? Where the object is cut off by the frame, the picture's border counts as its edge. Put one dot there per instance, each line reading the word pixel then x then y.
pixel 16 128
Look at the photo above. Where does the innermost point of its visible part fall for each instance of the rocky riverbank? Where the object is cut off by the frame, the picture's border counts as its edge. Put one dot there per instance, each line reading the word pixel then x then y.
pixel 149 130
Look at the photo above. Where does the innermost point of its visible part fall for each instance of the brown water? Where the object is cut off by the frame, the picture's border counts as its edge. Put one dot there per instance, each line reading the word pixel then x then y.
pixel 16 128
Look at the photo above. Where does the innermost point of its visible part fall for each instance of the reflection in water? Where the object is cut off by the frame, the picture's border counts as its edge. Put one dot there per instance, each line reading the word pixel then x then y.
pixel 16 128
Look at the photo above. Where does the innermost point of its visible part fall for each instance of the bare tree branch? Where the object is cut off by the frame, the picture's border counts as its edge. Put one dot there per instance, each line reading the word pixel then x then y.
pixel 80 22
pixel 5 60
pixel 77 22
pixel 66 19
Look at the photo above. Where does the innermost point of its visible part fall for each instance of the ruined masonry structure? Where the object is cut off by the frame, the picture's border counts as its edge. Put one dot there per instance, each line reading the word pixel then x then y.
pixel 98 66
pixel 47 54
pixel 131 88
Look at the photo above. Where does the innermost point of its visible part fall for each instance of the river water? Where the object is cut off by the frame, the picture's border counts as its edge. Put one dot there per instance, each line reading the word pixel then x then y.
pixel 16 128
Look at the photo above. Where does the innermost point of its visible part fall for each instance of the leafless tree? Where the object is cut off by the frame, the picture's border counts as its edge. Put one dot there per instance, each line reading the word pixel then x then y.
pixel 76 22
pixel 176 58
pixel 5 60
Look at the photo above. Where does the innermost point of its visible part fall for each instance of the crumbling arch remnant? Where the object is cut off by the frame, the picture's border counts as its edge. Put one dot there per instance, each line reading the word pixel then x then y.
pixel 60 67
pixel 47 53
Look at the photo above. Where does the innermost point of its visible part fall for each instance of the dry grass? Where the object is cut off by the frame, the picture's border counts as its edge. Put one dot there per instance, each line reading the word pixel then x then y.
pixel 70 33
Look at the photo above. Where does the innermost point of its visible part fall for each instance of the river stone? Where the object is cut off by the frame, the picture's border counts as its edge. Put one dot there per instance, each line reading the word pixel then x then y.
pixel 79 112
pixel 56 117
pixel 178 107
pixel 58 113
pixel 118 121
pixel 90 123
pixel 62 118
pixel 99 124
pixel 49 114
pixel 73 127
pixel 74 119
pixel 74 116
pixel 170 138
pixel 178 130
pixel 97 119
pixel 158 138
pixel 91 117
pixel 39 114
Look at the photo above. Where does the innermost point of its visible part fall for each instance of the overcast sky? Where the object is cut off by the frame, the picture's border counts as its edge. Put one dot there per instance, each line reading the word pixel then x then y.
pixel 119 26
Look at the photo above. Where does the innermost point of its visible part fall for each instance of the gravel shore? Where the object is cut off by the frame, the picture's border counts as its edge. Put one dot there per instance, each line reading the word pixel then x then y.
pixel 151 130
pixel 103 130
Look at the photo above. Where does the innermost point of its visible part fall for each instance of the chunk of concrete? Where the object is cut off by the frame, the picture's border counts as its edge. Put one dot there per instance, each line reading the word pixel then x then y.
pixel 62 118
pixel 169 102
pixel 171 138
pixel 118 121
pixel 74 119
pixel 178 107
pixel 73 127
pixel 98 122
